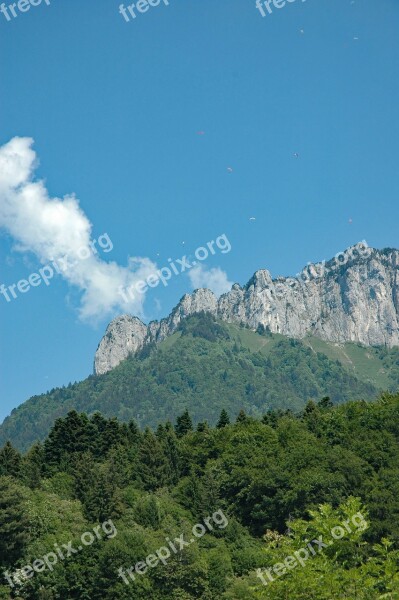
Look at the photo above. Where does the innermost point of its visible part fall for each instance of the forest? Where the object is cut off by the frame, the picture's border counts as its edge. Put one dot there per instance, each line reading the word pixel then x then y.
pixel 261 492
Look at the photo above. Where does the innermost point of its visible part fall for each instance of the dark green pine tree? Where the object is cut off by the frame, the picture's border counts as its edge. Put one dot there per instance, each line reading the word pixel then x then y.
pixel 211 497
pixel 184 424
pixel 96 488
pixel 10 460
pixel 203 427
pixel 223 420
pixel 107 500
pixel 119 466
pixel 242 417
pixel 152 465
pixel 135 435
pixel 310 408
pixel 99 424
pixel 312 416
pixel 325 403
pixel 170 447
pixel 73 434
pixel 85 472
pixel 194 494
pixel 14 525
pixel 113 435
pixel 33 466
pixel 271 418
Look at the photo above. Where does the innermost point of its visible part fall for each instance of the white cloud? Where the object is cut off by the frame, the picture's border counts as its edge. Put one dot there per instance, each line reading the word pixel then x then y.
pixel 53 227
pixel 214 279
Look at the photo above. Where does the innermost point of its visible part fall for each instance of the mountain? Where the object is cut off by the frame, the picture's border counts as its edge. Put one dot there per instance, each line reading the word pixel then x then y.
pixel 354 297
pixel 208 365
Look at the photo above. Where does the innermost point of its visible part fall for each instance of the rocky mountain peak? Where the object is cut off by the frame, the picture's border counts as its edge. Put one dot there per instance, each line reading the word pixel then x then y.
pixel 353 297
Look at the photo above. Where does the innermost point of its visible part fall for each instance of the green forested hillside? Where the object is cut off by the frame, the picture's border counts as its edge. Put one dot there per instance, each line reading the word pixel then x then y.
pixel 207 366
pixel 246 498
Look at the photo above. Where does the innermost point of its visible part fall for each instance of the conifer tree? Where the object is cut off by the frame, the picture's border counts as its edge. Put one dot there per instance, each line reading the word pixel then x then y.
pixel 99 425
pixel 134 434
pixel 152 466
pixel 241 417
pixel 72 434
pixel 113 434
pixel 96 488
pixel 171 451
pixel 32 466
pixel 203 426
pixel 184 424
pixel 13 522
pixel 10 460
pixel 325 403
pixel 210 500
pixel 223 420
pixel 119 467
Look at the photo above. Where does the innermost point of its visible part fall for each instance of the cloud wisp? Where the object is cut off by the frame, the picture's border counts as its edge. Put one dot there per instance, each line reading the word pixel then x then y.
pixel 52 228
pixel 214 279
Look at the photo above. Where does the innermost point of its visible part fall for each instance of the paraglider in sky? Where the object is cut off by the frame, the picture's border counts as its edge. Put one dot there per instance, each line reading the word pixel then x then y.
pixel 252 218
pixel 230 170
pixel 296 154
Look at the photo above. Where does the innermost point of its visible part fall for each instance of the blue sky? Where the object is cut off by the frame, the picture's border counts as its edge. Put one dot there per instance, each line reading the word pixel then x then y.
pixel 115 108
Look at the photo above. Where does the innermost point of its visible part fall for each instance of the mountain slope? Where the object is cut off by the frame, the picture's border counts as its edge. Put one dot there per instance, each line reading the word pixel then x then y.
pixel 206 366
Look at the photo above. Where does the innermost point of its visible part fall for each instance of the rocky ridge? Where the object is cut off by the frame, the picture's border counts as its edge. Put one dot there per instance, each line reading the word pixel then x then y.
pixel 352 298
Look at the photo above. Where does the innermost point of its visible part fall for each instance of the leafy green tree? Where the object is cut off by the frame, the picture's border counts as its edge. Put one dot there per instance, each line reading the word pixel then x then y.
pixel 148 512
pixel 335 562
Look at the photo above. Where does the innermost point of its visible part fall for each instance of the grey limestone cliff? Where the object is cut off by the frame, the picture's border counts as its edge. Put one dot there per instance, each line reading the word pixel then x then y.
pixel 352 298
